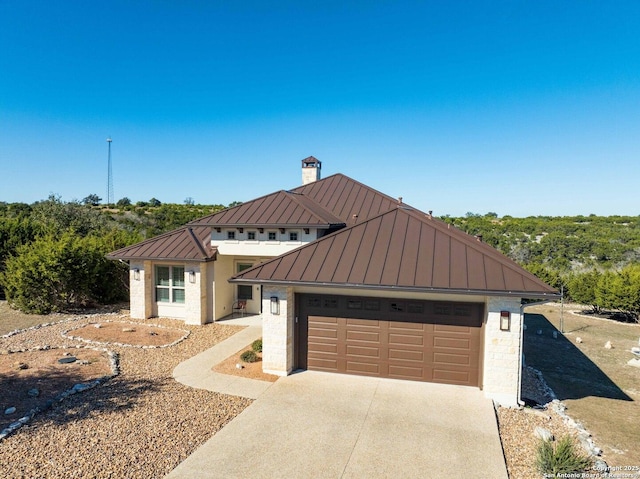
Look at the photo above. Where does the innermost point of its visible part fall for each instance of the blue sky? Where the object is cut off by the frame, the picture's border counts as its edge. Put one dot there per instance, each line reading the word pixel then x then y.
pixel 519 108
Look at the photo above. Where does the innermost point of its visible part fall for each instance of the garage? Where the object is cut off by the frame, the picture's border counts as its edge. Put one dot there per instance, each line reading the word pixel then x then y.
pixel 389 337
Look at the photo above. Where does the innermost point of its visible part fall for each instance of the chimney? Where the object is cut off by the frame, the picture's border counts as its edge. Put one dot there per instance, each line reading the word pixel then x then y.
pixel 310 170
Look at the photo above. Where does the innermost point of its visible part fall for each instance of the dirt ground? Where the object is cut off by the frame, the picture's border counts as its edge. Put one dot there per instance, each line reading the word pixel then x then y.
pixel 25 371
pixel 250 370
pixel 595 383
pixel 123 332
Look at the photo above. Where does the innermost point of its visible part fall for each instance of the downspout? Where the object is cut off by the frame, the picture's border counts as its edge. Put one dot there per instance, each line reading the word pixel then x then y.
pixel 522 306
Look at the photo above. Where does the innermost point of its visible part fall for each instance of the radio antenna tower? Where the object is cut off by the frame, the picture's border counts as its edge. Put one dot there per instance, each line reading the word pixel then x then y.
pixel 110 198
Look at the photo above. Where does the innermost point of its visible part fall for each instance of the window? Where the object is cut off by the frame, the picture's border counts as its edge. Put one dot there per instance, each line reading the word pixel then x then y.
pixel 251 235
pixel 272 236
pixel 244 291
pixel 170 284
pixel 231 235
pixel 293 236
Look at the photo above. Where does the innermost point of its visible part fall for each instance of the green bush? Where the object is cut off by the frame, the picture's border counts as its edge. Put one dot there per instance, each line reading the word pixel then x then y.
pixel 57 273
pixel 257 345
pixel 249 356
pixel 560 457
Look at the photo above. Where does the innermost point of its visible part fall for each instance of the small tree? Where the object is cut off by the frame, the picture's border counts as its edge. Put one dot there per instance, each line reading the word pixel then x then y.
pixel 123 202
pixel 92 200
pixel 583 289
pixel 154 202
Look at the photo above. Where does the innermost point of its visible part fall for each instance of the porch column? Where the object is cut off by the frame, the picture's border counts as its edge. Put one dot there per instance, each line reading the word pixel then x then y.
pixel 140 289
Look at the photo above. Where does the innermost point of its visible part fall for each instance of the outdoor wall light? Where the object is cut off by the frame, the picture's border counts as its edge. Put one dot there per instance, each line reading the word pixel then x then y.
pixel 505 320
pixel 275 305
pixel 192 276
pixel 136 274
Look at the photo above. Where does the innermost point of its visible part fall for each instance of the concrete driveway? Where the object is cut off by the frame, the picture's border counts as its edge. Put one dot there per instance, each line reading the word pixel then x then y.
pixel 320 425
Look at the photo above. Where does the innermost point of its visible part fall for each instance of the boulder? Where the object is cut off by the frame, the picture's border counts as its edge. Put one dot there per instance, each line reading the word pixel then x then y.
pixel 543 434
pixel 10 410
pixel 67 360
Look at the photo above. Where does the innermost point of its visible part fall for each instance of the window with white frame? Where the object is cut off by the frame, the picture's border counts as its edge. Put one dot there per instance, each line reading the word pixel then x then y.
pixel 293 236
pixel 231 235
pixel 251 235
pixel 272 235
pixel 170 284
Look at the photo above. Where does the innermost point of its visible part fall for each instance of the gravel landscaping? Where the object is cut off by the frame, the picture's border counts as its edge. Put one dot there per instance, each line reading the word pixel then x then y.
pixel 139 424
pixel 142 423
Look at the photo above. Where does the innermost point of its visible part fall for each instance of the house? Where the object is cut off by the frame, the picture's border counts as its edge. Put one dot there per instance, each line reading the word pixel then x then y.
pixel 347 280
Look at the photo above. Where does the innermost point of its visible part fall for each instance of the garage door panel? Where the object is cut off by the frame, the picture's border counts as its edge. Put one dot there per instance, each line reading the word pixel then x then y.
pixel 322 364
pixel 406 355
pixel 452 377
pixel 402 372
pixel 323 333
pixel 404 339
pixel 452 343
pixel 451 329
pixel 370 369
pixel 363 351
pixel 373 337
pixel 320 347
pixel 457 359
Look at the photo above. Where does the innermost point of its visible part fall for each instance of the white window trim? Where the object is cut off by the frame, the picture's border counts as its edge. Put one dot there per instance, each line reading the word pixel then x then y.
pixel 171 287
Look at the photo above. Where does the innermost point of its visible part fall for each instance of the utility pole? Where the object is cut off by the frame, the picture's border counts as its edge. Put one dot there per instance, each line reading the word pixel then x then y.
pixel 110 198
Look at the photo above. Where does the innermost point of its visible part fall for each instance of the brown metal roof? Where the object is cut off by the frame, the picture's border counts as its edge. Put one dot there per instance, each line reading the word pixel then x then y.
pixel 401 249
pixel 186 243
pixel 279 209
pixel 345 198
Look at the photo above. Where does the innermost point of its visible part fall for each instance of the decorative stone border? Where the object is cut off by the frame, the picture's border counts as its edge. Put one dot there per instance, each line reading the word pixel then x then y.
pixel 53 323
pixel 77 388
pixel 65 334
pixel 584 436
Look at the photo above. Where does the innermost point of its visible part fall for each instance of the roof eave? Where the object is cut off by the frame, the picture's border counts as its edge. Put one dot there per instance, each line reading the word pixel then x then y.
pixel 271 225
pixel 159 258
pixel 408 289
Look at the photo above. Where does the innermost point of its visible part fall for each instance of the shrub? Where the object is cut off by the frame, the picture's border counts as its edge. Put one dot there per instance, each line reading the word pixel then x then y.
pixel 59 273
pixel 249 356
pixel 257 345
pixel 560 457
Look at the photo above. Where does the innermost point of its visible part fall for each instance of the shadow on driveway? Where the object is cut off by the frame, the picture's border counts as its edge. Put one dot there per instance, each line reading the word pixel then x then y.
pixel 566 369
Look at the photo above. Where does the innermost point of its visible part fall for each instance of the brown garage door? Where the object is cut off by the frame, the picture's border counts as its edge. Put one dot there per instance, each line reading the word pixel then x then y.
pixel 423 341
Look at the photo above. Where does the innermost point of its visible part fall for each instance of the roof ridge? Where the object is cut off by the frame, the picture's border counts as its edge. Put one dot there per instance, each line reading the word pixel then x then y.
pixel 294 197
pixel 197 242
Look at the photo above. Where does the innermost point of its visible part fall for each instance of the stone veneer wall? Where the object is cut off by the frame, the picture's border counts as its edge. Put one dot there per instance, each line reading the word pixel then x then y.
pixel 277 331
pixel 195 294
pixel 140 290
pixel 502 354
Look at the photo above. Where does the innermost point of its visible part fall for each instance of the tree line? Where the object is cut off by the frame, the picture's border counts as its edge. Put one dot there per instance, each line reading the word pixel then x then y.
pixel 52 252
pixel 592 259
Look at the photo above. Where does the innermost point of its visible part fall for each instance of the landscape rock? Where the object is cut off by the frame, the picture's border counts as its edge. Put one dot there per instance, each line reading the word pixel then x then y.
pixel 543 434
pixel 608 345
pixel 33 392
pixel 67 360
pixel 578 340
pixel 128 330
pixel 20 365
pixel 635 362
pixel 9 410
pixel 97 325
